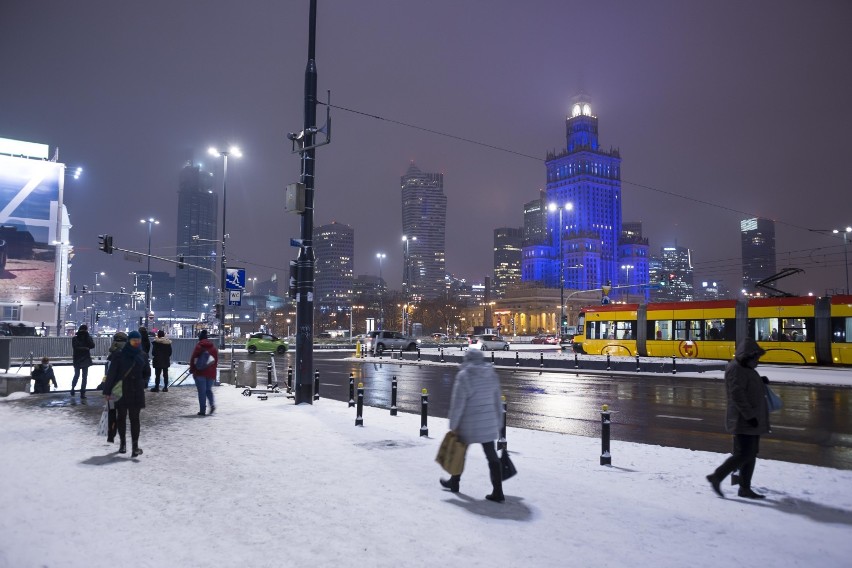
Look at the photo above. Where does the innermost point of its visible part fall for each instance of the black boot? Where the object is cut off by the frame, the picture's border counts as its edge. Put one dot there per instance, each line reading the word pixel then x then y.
pixel 136 451
pixel 452 483
pixel 716 483
pixel 165 387
pixel 122 449
pixel 496 472
pixel 749 494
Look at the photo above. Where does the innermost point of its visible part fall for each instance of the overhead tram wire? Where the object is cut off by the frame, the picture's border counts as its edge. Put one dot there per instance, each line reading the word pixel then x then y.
pixel 538 159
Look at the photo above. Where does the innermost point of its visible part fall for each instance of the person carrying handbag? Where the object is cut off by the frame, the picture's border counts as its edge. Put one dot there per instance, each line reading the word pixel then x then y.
pixel 130 370
pixel 475 413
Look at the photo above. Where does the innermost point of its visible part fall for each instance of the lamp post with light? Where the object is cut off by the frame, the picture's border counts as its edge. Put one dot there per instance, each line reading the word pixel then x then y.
pixel 568 207
pixel 151 221
pixel 845 234
pixel 627 267
pixel 232 151
pixel 406 280
pixel 381 256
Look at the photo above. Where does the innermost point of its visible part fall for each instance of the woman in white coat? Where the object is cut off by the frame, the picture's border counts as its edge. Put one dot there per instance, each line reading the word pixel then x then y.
pixel 475 413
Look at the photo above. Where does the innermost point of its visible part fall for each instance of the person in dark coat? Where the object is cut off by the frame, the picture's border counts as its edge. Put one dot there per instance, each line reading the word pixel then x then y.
pixel 81 346
pixel 119 340
pixel 747 417
pixel 476 410
pixel 131 368
pixel 161 355
pixel 42 376
pixel 204 378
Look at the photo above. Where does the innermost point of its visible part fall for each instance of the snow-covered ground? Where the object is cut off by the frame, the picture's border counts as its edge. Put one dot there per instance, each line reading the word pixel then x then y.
pixel 267 483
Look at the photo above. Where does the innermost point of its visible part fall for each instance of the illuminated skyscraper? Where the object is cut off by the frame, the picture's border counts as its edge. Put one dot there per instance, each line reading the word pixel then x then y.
pixel 758 250
pixel 197 216
pixel 507 258
pixel 334 246
pixel 424 221
pixel 676 282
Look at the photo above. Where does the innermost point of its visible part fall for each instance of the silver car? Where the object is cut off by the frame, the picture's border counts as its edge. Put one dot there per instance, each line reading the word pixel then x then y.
pixel 390 341
pixel 486 342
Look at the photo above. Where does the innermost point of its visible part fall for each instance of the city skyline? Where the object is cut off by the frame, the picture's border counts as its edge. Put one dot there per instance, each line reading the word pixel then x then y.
pixel 707 130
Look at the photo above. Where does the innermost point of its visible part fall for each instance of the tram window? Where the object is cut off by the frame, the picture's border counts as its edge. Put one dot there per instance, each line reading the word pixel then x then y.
pixel 793 329
pixel 660 329
pixel 766 329
pixel 601 330
pixel 681 328
pixel 695 328
pixel 624 330
pixel 841 330
pixel 729 330
pixel 714 330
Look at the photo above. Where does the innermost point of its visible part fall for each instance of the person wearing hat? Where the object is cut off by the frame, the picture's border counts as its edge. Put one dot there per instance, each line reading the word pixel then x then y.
pixel 42 377
pixel 119 340
pixel 204 378
pixel 81 346
pixel 130 368
pixel 747 417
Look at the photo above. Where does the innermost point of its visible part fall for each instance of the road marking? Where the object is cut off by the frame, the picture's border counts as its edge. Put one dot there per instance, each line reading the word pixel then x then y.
pixel 787 428
pixel 679 417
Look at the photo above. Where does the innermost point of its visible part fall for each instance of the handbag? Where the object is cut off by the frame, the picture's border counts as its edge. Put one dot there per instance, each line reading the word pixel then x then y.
pixel 103 424
pixel 773 401
pixel 507 466
pixel 118 388
pixel 451 454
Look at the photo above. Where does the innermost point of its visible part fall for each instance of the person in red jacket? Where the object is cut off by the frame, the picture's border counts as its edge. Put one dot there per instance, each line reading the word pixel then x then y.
pixel 202 367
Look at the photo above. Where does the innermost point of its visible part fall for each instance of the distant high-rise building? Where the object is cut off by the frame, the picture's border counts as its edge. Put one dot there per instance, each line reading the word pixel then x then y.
pixel 633 262
pixel 507 258
pixel 334 246
pixel 676 284
pixel 535 215
pixel 758 250
pixel 424 221
pixel 197 240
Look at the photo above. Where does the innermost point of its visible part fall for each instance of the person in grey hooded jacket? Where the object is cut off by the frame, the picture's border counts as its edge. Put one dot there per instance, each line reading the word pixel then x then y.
pixel 475 412
pixel 747 417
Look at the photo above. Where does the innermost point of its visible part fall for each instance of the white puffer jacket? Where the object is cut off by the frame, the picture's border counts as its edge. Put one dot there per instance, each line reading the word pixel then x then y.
pixel 476 409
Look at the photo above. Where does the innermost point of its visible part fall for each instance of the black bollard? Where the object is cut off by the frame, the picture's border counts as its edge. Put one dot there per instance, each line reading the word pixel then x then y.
pixel 638 368
pixel 442 354
pixel 393 396
pixel 674 366
pixel 492 357
pixel 517 360
pixel 424 407
pixel 359 417
pixel 316 384
pixel 541 359
pixel 289 379
pixel 351 390
pixel 606 458
pixel 576 362
pixel 607 362
pixel 269 375
pixel 501 442
pixel 418 354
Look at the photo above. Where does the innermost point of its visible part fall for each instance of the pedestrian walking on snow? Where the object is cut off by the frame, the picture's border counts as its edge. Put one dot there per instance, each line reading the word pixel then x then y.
pixel 119 340
pixel 202 366
pixel 81 346
pixel 161 355
pixel 475 413
pixel 747 417
pixel 130 368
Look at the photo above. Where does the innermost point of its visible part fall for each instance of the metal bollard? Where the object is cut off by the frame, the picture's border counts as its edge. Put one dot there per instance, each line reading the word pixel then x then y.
pixel 424 407
pixel 289 379
pixel 517 360
pixel 316 384
pixel 393 396
pixel 442 354
pixel 541 359
pixel 418 354
pixel 492 357
pixel 359 412
pixel 674 366
pixel 576 362
pixel 269 375
pixel 607 362
pixel 351 390
pixel 501 442
pixel 606 458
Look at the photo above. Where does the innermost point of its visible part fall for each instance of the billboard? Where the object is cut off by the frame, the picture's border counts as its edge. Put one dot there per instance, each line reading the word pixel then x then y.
pixel 30 205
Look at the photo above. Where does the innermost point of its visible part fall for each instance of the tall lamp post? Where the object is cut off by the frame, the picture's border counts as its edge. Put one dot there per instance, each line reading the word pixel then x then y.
pixel 232 151
pixel 845 234
pixel 95 302
pixel 381 256
pixel 627 267
pixel 151 221
pixel 406 284
pixel 568 207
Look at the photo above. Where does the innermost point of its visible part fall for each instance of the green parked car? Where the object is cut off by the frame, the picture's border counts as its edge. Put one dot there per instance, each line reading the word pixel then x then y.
pixel 266 342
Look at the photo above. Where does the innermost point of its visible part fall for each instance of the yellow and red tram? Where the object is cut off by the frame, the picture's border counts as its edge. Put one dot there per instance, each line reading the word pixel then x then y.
pixel 799 330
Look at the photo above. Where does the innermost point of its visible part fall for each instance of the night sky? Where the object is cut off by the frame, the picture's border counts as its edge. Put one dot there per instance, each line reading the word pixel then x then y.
pixel 742 105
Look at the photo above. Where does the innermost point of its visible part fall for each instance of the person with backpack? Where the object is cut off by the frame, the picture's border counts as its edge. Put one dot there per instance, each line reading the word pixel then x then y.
pixel 161 353
pixel 202 367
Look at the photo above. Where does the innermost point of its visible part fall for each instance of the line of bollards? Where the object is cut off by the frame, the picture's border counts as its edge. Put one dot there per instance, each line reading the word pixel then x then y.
pixel 501 442
pixel 492 357
pixel 606 457
pixel 359 412
pixel 424 412
pixel 351 390
pixel 393 396
pixel 576 361
pixel 316 384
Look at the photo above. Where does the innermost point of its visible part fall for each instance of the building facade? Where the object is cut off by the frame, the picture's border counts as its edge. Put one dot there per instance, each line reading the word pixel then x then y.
pixel 676 275
pixel 758 249
pixel 508 243
pixel 334 246
pixel 197 239
pixel 424 221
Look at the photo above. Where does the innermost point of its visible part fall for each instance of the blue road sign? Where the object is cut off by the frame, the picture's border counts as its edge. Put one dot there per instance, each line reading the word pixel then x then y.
pixel 235 279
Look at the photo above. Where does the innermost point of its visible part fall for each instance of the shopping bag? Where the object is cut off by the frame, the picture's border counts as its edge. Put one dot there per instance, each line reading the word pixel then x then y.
pixel 773 401
pixel 507 466
pixel 451 454
pixel 103 423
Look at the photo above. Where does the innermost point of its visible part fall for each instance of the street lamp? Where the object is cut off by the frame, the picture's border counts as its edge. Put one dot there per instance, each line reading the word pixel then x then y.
pixel 232 151
pixel 568 207
pixel 288 327
pixel 845 252
pixel 381 256
pixel 627 267
pixel 95 302
pixel 406 284
pixel 151 221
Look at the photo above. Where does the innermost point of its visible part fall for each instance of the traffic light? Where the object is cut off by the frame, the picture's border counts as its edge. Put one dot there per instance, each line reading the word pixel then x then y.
pixel 105 243
pixel 181 265
pixel 85 288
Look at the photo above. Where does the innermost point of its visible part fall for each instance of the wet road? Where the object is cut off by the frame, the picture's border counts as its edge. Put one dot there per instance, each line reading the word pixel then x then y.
pixel 814 427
